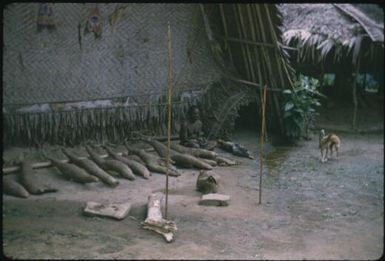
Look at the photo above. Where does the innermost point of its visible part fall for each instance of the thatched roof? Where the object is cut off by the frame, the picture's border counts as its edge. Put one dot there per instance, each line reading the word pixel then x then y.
pixel 372 11
pixel 374 29
pixel 320 30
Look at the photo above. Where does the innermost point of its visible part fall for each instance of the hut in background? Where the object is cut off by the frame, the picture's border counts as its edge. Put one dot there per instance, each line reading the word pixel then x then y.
pixel 74 72
pixel 341 39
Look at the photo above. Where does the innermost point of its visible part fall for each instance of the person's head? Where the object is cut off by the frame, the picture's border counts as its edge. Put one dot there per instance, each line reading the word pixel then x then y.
pixel 194 113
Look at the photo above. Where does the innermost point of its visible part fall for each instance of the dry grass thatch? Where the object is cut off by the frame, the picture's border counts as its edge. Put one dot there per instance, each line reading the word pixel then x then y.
pixel 321 30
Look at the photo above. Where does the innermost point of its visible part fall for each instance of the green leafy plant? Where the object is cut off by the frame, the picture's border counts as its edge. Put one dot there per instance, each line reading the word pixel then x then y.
pixel 300 104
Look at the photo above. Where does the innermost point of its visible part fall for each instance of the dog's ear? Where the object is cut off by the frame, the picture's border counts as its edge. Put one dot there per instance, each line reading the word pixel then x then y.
pixel 322 132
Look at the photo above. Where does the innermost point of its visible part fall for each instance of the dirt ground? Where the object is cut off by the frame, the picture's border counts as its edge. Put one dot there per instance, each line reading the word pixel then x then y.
pixel 309 210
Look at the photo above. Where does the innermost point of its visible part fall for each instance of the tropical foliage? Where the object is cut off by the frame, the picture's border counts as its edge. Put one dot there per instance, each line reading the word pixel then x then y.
pixel 300 106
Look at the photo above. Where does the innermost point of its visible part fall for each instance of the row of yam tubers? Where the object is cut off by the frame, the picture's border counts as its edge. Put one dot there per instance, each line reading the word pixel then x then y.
pixel 136 162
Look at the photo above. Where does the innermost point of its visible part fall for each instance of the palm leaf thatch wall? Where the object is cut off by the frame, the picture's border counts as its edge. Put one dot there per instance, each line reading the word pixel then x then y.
pixel 99 71
pixel 247 37
pixel 78 81
pixel 332 37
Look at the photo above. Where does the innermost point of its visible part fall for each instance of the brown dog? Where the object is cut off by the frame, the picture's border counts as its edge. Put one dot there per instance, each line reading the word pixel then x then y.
pixel 327 142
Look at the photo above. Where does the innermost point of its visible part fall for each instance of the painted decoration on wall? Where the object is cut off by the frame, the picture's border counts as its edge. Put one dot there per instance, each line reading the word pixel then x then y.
pixel 45 18
pixel 94 23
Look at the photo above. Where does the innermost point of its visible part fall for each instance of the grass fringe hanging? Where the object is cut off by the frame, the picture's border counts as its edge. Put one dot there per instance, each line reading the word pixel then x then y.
pixel 100 124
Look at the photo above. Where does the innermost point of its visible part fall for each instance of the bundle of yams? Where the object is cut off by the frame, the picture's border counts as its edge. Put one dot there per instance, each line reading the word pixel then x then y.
pixel 135 162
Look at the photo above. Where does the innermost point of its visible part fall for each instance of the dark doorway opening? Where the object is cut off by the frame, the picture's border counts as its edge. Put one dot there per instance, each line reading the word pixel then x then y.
pixel 248 118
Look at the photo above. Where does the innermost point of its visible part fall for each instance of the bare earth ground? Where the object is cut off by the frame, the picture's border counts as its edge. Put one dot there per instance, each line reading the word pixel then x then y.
pixel 309 210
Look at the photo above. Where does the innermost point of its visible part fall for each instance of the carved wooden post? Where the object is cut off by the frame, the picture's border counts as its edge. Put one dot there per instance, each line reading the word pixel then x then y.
pixel 155 220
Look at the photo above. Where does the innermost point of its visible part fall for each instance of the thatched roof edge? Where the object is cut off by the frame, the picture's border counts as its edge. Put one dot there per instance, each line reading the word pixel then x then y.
pixel 374 30
pixel 341 35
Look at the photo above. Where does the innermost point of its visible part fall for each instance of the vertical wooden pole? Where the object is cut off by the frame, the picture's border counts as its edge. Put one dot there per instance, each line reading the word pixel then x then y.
pixel 169 113
pixel 355 102
pixel 261 142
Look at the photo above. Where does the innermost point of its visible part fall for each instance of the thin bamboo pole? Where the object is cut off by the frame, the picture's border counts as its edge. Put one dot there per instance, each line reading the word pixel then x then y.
pixel 277 60
pixel 265 54
pixel 169 113
pixel 253 27
pixel 254 38
pixel 243 32
pixel 261 149
pixel 249 42
pixel 276 45
pixel 247 69
pixel 226 33
pixel 252 84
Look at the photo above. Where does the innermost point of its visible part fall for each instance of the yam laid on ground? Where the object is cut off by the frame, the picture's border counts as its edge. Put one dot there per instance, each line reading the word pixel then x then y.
pixel 73 172
pixel 212 163
pixel 135 166
pixel 93 169
pixel 181 159
pixel 13 188
pixel 201 153
pixel 210 157
pixel 134 157
pixel 222 161
pixel 153 163
pixel 30 180
pixel 189 161
pixel 111 165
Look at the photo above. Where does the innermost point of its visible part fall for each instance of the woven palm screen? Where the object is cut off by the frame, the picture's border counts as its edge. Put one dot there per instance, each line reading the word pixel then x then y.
pixel 83 71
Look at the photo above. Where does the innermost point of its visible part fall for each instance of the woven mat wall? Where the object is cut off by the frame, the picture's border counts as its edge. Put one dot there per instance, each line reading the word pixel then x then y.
pixel 130 58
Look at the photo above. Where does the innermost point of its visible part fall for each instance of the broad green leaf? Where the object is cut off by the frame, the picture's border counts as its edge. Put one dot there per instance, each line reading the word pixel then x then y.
pixel 289 106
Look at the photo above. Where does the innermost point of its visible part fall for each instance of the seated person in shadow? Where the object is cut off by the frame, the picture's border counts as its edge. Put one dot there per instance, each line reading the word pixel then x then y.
pixel 191 134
